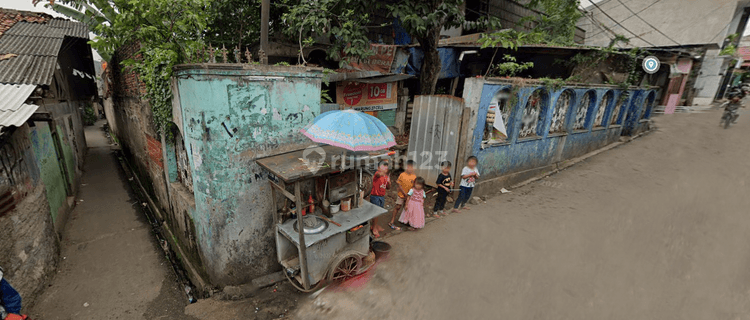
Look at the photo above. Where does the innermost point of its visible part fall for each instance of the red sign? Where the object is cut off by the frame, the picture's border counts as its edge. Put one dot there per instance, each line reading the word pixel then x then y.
pixel 367 96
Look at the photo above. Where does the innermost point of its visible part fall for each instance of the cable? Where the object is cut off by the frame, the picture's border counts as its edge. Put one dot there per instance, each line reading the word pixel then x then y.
pixel 650 25
pixel 632 15
pixel 623 27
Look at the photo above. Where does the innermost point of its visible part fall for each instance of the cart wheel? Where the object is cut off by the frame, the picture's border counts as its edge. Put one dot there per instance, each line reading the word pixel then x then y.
pixel 346 267
pixel 366 183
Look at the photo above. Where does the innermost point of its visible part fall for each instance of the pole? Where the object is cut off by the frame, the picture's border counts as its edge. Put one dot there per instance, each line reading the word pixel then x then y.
pixel 265 7
pixel 301 228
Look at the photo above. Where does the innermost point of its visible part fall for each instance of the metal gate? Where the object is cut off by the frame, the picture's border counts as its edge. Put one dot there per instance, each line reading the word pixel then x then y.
pixel 434 135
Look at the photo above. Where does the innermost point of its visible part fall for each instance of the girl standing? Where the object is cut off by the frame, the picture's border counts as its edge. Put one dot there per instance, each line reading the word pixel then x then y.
pixel 413 213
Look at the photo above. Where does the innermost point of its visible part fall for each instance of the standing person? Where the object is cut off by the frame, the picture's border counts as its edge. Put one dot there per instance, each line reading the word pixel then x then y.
pixel 404 183
pixel 444 184
pixel 381 181
pixel 413 214
pixel 10 301
pixel 469 176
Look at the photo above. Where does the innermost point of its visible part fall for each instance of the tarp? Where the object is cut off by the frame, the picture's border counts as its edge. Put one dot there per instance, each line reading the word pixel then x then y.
pixel 448 57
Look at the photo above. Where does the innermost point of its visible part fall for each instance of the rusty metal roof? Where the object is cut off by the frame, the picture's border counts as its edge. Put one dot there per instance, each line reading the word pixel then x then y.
pixel 13 109
pixel 36 46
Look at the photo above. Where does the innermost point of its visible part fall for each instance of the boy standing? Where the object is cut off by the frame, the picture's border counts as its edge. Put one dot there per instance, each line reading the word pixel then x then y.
pixel 444 184
pixel 381 181
pixel 404 183
pixel 469 176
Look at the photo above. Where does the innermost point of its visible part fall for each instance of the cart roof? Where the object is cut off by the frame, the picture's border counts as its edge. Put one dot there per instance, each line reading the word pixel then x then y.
pixel 302 164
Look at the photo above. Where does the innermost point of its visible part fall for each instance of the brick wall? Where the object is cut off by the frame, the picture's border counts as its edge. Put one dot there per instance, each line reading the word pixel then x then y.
pixel 125 82
pixel 29 249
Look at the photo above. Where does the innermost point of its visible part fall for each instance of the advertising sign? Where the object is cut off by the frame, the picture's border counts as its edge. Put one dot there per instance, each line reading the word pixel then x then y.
pixel 367 96
pixel 381 60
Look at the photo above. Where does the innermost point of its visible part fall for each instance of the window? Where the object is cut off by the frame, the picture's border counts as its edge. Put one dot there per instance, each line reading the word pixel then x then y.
pixel 603 106
pixel 533 115
pixel 498 105
pixel 582 110
pixel 619 106
pixel 561 109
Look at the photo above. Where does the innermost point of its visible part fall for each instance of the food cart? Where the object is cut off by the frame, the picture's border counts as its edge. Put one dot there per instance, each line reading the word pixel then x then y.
pixel 331 245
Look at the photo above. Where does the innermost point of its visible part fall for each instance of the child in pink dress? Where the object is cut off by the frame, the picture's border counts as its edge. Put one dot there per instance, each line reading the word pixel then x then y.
pixel 413 213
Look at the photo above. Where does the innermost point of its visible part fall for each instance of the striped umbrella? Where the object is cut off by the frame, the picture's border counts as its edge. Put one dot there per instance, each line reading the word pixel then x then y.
pixel 351 130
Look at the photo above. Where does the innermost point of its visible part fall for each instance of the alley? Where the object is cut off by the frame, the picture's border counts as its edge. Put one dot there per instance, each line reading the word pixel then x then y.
pixel 111 267
pixel 654 229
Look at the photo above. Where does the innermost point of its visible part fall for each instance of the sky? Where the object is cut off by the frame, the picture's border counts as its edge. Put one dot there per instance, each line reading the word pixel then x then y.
pixel 27 6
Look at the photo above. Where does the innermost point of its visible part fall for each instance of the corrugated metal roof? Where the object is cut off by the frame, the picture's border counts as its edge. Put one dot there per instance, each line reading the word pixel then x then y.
pixel 28 69
pixel 13 110
pixel 24 45
pixel 71 28
pixel 37 46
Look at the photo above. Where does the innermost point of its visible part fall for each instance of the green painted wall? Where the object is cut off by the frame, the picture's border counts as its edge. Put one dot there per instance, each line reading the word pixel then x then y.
pixel 231 117
pixel 52 176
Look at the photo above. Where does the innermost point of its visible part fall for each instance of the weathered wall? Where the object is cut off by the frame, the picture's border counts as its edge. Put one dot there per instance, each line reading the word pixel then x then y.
pixel 231 116
pixel 29 247
pixel 675 18
pixel 628 115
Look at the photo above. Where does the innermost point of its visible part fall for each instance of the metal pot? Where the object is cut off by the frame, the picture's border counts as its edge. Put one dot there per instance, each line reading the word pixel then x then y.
pixel 334 208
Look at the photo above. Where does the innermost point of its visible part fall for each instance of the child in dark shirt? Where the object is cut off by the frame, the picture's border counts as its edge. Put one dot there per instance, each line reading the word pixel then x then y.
pixel 444 184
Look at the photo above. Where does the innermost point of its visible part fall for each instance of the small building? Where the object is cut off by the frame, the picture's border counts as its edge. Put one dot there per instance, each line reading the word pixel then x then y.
pixel 46 81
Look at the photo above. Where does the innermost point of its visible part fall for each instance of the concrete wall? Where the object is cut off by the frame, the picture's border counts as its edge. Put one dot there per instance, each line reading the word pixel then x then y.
pixel 29 249
pixel 231 116
pixel 684 21
pixel 709 78
pixel 516 159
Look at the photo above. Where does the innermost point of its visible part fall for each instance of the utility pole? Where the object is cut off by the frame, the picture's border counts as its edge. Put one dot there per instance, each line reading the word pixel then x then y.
pixel 264 13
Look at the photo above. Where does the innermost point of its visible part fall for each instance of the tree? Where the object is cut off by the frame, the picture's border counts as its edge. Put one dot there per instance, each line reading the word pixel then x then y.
pixel 169 32
pixel 424 20
pixel 333 20
pixel 558 23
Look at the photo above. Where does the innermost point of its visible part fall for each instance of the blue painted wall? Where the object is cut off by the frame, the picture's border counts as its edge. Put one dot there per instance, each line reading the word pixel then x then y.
pixel 520 154
pixel 232 116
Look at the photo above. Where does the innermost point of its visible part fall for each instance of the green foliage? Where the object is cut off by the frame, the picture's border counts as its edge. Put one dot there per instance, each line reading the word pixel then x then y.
pixel 509 68
pixel 307 21
pixel 89 115
pixel 509 39
pixel 553 84
pixel 558 25
pixel 731 48
pixel 234 23
pixel 169 33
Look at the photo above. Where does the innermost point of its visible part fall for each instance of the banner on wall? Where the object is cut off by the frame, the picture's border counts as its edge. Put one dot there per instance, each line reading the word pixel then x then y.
pixel 380 60
pixel 367 96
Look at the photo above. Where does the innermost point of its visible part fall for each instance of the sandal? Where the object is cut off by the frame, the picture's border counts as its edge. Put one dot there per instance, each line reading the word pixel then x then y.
pixel 394 227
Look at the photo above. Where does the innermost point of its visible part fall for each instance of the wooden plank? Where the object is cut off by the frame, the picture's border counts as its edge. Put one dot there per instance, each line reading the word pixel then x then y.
pixel 467 39
pixel 465 140
pixel 302 246
pixel 283 191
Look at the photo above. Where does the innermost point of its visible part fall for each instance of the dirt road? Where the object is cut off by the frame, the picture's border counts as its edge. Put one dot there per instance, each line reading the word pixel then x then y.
pixel 655 229
pixel 111 267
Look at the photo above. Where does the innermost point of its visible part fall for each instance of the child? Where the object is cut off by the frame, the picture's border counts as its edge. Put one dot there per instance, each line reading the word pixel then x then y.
pixel 469 177
pixel 444 184
pixel 413 214
pixel 380 182
pixel 404 183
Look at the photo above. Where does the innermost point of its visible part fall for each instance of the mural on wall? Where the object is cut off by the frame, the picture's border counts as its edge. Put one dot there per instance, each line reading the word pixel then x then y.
pixel 532 114
pixel 624 98
pixel 495 130
pixel 561 108
pixel 599 122
pixel 648 105
pixel 582 110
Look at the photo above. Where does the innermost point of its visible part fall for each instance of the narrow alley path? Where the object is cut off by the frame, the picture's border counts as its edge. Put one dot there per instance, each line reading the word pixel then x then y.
pixel 654 229
pixel 111 267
